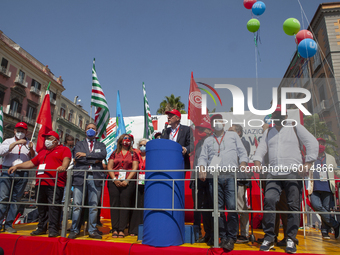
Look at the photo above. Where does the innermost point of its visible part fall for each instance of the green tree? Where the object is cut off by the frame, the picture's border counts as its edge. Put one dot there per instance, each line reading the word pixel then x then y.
pixel 170 103
pixel 319 128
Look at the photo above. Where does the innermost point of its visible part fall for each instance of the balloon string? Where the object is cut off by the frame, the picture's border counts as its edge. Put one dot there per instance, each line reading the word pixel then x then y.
pixel 297 47
pixel 256 46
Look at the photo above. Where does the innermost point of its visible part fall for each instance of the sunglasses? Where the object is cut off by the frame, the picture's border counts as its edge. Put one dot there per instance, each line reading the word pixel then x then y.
pixel 126 138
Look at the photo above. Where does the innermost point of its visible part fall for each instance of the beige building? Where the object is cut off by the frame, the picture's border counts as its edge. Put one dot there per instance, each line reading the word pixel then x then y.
pixel 71 119
pixel 320 75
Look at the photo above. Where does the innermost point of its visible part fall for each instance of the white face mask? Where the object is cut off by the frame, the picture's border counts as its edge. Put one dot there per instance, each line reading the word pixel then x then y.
pixel 19 135
pixel 218 126
pixel 48 143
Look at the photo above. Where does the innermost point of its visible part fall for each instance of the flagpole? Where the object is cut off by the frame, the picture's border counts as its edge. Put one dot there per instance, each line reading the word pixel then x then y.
pixel 91 113
pixel 35 126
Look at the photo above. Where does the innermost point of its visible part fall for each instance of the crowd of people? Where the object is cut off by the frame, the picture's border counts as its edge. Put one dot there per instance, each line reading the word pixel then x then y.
pixel 289 148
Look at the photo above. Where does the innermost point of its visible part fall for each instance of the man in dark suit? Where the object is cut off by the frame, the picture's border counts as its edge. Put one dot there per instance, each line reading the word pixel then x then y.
pixel 88 156
pixel 180 134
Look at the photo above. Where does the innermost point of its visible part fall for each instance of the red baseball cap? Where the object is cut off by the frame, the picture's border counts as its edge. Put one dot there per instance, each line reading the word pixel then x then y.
pixel 175 112
pixel 321 139
pixel 132 138
pixel 204 125
pixel 21 125
pixel 215 116
pixel 52 133
pixel 278 108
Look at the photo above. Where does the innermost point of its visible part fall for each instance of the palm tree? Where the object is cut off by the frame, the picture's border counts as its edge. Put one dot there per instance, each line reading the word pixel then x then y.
pixel 319 129
pixel 170 103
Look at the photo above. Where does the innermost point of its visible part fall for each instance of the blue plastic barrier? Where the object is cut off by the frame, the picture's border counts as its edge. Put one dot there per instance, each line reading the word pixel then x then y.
pixel 163 228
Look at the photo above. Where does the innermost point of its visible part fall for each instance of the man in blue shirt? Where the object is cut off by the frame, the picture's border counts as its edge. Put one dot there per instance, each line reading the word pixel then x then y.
pixel 223 150
pixel 322 190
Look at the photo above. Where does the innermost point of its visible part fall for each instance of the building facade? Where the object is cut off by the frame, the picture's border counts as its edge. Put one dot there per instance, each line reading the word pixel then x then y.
pixel 72 119
pixel 321 73
pixel 23 85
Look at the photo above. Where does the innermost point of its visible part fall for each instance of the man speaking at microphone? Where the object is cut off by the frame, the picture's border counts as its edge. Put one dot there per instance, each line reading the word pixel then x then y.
pixel 180 134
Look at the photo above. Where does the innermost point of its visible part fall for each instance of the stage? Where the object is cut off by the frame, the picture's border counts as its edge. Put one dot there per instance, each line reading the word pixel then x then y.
pixel 22 243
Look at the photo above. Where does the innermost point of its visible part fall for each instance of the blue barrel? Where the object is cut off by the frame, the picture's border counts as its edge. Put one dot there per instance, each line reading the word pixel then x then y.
pixel 163 228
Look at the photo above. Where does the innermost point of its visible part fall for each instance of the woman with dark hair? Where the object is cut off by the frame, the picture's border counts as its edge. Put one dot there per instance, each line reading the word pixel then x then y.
pixel 120 188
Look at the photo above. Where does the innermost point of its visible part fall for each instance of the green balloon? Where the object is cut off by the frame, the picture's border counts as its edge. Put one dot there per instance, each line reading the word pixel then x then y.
pixel 291 26
pixel 253 25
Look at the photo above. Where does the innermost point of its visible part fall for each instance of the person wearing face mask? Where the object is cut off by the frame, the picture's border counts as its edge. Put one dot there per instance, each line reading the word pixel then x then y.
pixel 322 189
pixel 180 134
pixel 53 156
pixel 283 145
pixel 203 196
pixel 224 148
pixel 121 189
pixel 89 155
pixel 137 215
pixel 14 151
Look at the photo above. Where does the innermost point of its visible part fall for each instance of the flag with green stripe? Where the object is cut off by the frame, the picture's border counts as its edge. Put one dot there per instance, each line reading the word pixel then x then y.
pixel 148 127
pixel 98 100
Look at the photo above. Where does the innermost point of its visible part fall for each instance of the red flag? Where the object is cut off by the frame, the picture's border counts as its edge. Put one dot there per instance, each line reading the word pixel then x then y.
pixel 256 142
pixel 195 104
pixel 44 119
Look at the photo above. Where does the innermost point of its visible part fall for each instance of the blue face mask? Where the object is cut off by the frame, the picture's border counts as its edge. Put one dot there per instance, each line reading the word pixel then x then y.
pixel 90 133
pixel 142 148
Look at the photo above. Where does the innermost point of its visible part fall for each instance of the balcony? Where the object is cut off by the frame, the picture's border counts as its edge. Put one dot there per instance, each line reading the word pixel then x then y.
pixel 322 107
pixel 5 72
pixel 29 121
pixel 53 101
pixel 14 114
pixel 36 91
pixel 20 81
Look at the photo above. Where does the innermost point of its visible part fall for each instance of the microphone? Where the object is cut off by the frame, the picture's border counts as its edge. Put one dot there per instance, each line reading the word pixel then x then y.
pixel 165 127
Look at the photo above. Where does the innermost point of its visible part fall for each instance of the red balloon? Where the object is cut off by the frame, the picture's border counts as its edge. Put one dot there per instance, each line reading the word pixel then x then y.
pixel 303 34
pixel 249 3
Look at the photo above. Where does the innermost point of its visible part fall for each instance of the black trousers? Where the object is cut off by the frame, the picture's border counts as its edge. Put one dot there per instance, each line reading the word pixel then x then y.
pixel 281 206
pixel 137 215
pixel 273 192
pixel 203 202
pixel 49 214
pixel 120 197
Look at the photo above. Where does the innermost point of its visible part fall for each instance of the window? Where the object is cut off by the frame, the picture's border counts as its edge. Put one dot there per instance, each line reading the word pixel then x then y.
pixel 60 133
pixel 4 64
pixel 305 74
pixel 80 124
pixel 35 84
pixel 317 60
pixel 21 77
pixel 53 95
pixel 70 116
pixel 15 106
pixel 31 113
pixel 87 122
pixel 2 96
pixel 322 93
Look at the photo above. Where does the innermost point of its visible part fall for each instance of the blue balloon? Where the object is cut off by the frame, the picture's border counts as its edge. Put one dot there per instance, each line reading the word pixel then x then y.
pixel 258 8
pixel 307 48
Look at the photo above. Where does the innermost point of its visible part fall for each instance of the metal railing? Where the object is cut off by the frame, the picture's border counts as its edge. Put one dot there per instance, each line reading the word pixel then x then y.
pixel 67 206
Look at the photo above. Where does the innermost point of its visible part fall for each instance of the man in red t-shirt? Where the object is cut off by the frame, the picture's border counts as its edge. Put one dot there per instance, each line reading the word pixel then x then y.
pixel 53 156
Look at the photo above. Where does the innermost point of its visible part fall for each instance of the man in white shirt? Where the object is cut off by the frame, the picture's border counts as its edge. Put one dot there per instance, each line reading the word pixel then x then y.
pixel 15 150
pixel 283 145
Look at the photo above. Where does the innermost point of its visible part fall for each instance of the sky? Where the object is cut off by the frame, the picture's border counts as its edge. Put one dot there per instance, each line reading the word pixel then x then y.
pixel 156 42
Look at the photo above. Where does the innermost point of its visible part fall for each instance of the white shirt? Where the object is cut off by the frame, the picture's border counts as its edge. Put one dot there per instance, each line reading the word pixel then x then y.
pixel 174 133
pixel 283 146
pixel 89 144
pixel 20 152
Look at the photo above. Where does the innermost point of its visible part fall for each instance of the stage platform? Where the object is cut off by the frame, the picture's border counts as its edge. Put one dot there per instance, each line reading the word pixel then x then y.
pixel 22 243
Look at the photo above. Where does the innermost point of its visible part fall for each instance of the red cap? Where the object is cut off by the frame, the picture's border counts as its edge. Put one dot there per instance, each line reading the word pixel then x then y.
pixel 174 111
pixel 215 116
pixel 278 108
pixel 204 125
pixel 131 137
pixel 21 125
pixel 158 133
pixel 321 139
pixel 52 133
